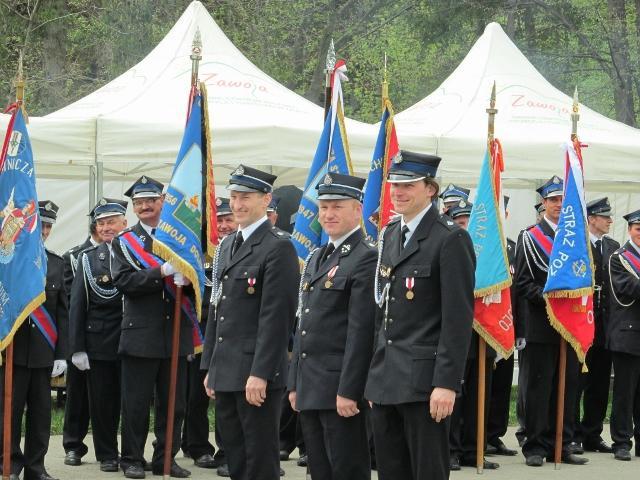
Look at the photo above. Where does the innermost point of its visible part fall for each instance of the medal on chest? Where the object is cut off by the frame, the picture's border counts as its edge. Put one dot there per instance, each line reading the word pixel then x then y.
pixel 330 275
pixel 251 289
pixel 409 282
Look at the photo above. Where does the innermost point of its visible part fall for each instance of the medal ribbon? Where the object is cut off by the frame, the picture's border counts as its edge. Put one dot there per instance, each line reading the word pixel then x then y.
pixel 544 241
pixel 409 282
pixel 633 260
pixel 46 325
pixel 251 282
pixel 332 272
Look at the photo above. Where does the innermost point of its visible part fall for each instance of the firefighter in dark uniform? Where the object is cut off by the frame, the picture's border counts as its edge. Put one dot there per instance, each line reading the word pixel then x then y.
pixel 451 195
pixel 598 378
pixel 464 419
pixel 334 339
pixel 195 433
pixel 76 408
pixel 500 394
pixel 424 289
pixel 255 280
pixel 95 316
pixel 146 337
pixel 542 340
pixel 623 340
pixel 36 359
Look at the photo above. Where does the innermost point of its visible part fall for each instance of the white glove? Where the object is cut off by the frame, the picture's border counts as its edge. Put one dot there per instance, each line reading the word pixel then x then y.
pixel 180 280
pixel 167 269
pixel 59 367
pixel 520 343
pixel 80 360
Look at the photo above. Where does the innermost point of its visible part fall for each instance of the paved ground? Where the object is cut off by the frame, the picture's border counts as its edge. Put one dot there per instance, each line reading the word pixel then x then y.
pixel 600 467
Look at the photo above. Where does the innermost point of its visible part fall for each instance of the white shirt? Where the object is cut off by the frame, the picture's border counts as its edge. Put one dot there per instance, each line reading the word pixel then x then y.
pixel 413 224
pixel 635 246
pixel 553 226
pixel 248 230
pixel 594 238
pixel 148 228
pixel 92 241
pixel 340 240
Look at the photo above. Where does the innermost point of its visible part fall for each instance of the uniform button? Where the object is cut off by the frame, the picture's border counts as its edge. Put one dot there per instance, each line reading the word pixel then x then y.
pixel 224 297
pixel 415 272
pixel 304 355
pixel 393 277
pixel 306 310
pixel 130 324
pixel 311 288
pixel 390 320
pixel 226 277
pixel 167 300
pixel 222 319
pixel 157 281
pixel 393 299
pixel 246 273
pixel 33 325
pixel 219 339
pixel 303 333
pixel 389 342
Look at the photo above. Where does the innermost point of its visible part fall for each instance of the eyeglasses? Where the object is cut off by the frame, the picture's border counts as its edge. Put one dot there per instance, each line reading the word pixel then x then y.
pixel 144 201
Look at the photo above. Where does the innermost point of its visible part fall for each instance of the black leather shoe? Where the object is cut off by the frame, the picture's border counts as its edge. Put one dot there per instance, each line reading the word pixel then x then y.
pixel 534 461
pixel 281 472
pixel 134 471
pixel 570 459
pixel 205 461
pixel 176 471
pixel 575 448
pixel 284 455
pixel 637 450
pixel 223 471
pixel 454 463
pixel 500 448
pixel 109 465
pixel 146 466
pixel 487 465
pixel 72 458
pixel 40 476
pixel 622 454
pixel 302 461
pixel 599 446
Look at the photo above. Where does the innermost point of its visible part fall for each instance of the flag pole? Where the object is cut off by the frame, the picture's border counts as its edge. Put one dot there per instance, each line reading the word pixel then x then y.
pixel 328 71
pixel 562 357
pixel 8 368
pixel 196 56
pixel 482 344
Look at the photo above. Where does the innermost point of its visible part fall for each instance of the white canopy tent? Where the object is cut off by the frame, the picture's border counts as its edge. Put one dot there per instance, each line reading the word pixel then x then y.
pixel 532 123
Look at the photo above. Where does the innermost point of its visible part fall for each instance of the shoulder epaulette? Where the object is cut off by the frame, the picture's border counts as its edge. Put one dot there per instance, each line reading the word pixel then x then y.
pixel 128 229
pixel 276 232
pixel 446 221
pixel 53 254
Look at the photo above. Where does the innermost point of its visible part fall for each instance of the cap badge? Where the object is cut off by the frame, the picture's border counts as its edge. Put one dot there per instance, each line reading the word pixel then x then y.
pixel 238 171
pixel 397 158
pixel 48 207
pixel 144 179
pixel 462 204
pixel 556 180
pixel 327 180
pixel 102 202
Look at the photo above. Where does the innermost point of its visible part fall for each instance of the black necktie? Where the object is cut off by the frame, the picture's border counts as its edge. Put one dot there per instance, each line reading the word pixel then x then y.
pixel 239 240
pixel 153 232
pixel 327 252
pixel 599 245
pixel 405 231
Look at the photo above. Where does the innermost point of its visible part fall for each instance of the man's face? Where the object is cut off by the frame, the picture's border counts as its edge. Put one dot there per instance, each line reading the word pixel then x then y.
pixel 46 230
pixel 272 215
pixel 226 225
pixel 553 206
pixel 248 207
pixel 339 217
pixel 634 233
pixel 148 209
pixel 109 227
pixel 412 197
pixel 599 225
pixel 462 221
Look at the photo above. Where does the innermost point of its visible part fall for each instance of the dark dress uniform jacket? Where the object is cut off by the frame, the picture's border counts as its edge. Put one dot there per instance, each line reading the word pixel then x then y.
pixel 247 333
pixel 624 327
pixel 602 295
pixel 334 340
pixel 530 280
pixel 147 322
pixel 423 343
pixel 71 258
pixel 94 321
pixel 31 350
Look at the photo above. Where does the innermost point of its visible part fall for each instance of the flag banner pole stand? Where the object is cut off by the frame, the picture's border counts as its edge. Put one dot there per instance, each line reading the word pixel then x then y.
pixel 482 367
pixel 8 404
pixel 562 373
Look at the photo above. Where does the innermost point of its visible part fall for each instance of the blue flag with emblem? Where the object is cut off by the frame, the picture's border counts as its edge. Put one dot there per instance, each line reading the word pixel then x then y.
pixel 179 235
pixel 23 261
pixel 332 155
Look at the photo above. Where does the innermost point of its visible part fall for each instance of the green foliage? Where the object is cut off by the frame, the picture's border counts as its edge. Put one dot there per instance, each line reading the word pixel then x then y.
pixel 73 47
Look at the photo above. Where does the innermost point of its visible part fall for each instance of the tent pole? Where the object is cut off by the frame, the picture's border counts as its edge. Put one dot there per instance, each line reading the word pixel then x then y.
pixel 92 187
pixel 99 179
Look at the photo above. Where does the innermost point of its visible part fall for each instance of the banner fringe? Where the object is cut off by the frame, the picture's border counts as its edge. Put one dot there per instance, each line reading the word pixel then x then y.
pixel 22 316
pixel 580 292
pixel 565 334
pixel 211 192
pixel 168 255
pixel 504 353
pixel 498 287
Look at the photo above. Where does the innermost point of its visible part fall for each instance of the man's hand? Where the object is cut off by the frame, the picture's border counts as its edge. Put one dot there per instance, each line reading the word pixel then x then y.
pixel 256 391
pixel 180 280
pixel 292 400
pixel 520 343
pixel 346 407
pixel 210 392
pixel 167 269
pixel 81 361
pixel 59 367
pixel 441 403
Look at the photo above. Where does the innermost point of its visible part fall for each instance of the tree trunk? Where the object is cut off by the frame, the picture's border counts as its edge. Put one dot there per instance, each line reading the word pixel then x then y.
pixel 54 55
pixel 512 8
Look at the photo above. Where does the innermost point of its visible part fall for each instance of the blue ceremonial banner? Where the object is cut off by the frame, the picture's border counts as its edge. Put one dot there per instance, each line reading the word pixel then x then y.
pixel 23 261
pixel 332 155
pixel 179 234
pixel 375 180
pixel 485 229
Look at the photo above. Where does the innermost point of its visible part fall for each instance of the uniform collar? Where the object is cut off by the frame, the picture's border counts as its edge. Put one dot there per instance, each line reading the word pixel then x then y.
pixel 594 238
pixel 248 230
pixel 413 224
pixel 148 228
pixel 339 241
pixel 554 226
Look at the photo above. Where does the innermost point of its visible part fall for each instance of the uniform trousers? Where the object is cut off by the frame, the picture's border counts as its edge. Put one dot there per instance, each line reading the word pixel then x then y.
pixel 142 380
pixel 290 429
pixel 595 398
pixel 500 400
pixel 76 411
pixel 625 408
pixel 337 447
pixel 541 398
pixel 250 434
pixel 31 391
pixel 521 433
pixel 410 445
pixel 103 379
